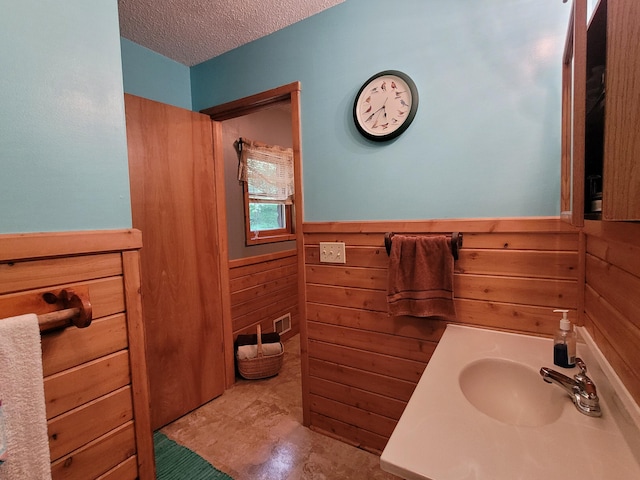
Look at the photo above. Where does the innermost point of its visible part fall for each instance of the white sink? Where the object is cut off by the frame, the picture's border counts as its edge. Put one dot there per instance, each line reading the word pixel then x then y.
pixel 510 392
pixel 481 411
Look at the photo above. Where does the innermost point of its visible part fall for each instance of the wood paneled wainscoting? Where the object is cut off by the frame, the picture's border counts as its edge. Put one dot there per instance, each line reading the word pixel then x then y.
pixel 264 288
pixel 612 296
pixel 360 366
pixel 95 378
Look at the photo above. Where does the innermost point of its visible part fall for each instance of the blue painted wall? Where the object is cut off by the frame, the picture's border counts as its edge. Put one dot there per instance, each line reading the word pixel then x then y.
pixel 486 139
pixel 151 75
pixel 63 152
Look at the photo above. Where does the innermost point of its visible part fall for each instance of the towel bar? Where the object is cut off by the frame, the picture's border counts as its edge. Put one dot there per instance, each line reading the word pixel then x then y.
pixel 456 243
pixel 77 311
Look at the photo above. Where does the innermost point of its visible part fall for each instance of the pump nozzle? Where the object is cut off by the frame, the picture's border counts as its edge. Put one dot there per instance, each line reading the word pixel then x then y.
pixel 565 324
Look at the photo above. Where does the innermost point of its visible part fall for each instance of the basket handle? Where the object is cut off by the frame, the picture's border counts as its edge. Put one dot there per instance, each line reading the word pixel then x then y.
pixel 259 341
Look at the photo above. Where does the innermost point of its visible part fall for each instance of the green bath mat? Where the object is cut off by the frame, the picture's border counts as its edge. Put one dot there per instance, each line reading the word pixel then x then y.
pixel 175 462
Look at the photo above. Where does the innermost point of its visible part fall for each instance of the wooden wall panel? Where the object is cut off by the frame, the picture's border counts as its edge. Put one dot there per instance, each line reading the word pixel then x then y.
pixel 530 263
pixel 400 368
pixel 347 432
pixel 69 389
pixel 363 364
pixel 24 275
pixel 411 327
pixel 106 336
pixel 98 456
pixel 396 346
pixel 95 378
pixel 612 296
pixel 390 387
pixel 364 399
pixel 106 294
pixel 264 288
pixel 75 428
pixel 358 417
pixel 127 470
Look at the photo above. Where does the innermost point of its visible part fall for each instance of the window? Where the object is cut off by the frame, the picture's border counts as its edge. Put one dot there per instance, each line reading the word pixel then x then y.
pixel 268 181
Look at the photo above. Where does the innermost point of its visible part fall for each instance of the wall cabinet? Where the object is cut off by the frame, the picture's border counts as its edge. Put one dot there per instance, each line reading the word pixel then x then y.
pixel 601 113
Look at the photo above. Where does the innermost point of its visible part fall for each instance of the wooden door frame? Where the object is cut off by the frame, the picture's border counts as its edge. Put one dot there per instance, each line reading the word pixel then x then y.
pixel 234 109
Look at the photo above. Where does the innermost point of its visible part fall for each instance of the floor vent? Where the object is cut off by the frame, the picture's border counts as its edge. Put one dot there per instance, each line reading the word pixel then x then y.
pixel 282 324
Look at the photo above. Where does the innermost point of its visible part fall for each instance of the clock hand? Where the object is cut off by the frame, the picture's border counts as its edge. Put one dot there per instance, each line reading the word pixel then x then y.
pixel 370 117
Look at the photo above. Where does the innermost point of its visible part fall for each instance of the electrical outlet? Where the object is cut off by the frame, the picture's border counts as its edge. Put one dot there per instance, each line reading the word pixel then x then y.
pixel 332 252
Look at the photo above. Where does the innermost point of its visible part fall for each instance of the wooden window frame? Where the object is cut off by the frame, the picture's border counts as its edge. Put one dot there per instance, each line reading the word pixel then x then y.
pixel 266 236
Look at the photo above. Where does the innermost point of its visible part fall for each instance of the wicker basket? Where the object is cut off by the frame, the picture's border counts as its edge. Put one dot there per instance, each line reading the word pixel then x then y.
pixel 262 366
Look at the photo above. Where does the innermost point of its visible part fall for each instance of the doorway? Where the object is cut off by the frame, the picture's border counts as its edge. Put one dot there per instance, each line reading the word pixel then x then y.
pixel 284 95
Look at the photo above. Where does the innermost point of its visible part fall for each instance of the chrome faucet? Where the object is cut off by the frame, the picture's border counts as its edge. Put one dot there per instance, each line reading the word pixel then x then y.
pixel 581 388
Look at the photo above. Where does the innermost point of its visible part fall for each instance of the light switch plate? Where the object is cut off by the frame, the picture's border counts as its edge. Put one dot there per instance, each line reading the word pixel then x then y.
pixel 332 252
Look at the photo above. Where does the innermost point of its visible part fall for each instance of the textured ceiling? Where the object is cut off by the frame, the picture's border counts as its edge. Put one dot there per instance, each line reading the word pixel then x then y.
pixel 192 31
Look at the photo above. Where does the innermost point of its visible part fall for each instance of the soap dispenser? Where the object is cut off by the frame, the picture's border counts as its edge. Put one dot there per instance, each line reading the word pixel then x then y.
pixel 564 343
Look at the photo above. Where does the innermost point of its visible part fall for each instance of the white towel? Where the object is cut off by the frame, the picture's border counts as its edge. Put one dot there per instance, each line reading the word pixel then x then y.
pixel 23 405
pixel 246 352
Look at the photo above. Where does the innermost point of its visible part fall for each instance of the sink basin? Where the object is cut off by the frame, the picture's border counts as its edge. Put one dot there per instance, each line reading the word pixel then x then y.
pixel 511 392
pixel 482 411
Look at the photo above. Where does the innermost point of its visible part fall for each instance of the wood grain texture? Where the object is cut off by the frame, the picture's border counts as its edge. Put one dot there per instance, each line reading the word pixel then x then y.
pixel 223 251
pixel 472 225
pixel 389 387
pixel 69 389
pixel 286 93
pixel 358 417
pixel 23 246
pixel 38 273
pixel 73 429
pixel 89 391
pixel 173 203
pixel 612 294
pixel 621 176
pixel 127 470
pixel 74 346
pixel 106 295
pixel 511 275
pixel 349 433
pixel 579 112
pixel 263 288
pixel 249 104
pixel 97 457
pixel 139 366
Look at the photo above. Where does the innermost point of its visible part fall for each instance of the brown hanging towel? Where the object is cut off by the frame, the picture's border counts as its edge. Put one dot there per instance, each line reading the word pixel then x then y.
pixel 420 280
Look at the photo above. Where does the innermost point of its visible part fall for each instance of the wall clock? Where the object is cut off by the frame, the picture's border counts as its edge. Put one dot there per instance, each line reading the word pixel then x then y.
pixel 385 105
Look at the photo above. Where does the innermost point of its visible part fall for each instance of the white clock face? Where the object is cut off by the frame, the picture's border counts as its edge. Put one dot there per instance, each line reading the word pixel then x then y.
pixel 384 105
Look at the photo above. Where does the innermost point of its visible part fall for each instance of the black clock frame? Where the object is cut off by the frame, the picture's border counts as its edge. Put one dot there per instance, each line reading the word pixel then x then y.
pixel 410 116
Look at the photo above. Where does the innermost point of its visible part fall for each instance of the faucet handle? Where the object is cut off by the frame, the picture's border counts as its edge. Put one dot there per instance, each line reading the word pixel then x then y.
pixel 581 365
pixel 587 385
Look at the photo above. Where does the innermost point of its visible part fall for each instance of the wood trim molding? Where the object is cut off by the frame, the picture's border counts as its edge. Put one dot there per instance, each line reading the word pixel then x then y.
pixel 468 225
pixel 234 109
pixel 243 106
pixel 223 251
pixel 241 262
pixel 22 246
pixel 624 232
pixel 138 360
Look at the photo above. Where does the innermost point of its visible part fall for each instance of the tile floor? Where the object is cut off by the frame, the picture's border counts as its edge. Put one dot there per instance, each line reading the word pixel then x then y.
pixel 254 432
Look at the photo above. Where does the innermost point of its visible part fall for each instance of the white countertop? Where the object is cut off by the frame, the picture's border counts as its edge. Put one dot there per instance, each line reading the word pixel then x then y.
pixel 442 436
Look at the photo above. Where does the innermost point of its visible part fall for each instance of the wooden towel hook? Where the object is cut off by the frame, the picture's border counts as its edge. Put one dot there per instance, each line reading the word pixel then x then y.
pixel 77 311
